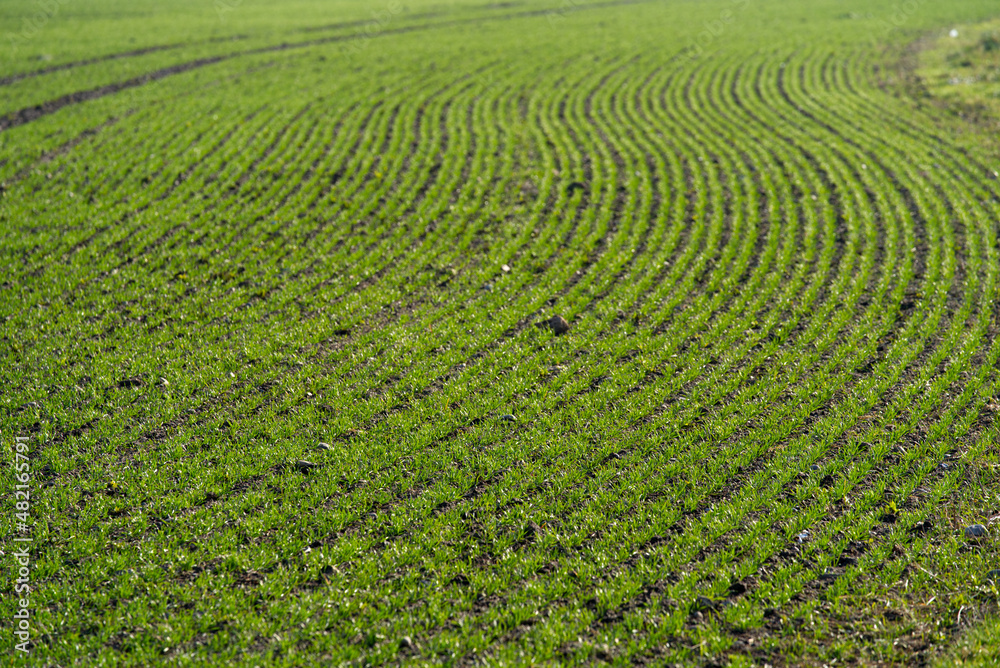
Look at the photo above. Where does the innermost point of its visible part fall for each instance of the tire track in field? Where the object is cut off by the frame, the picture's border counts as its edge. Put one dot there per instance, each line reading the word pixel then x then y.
pixel 28 114
pixel 20 76
pixel 133 53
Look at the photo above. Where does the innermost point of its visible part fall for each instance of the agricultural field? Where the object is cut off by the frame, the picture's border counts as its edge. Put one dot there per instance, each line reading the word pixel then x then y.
pixel 470 333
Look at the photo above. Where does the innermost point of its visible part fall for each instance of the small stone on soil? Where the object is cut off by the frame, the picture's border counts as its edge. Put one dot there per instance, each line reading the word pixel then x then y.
pixel 975 531
pixel 703 603
pixel 305 466
pixel 531 531
pixel 558 325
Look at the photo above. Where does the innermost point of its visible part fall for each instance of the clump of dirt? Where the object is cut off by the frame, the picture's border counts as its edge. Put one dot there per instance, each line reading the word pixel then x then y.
pixel 558 325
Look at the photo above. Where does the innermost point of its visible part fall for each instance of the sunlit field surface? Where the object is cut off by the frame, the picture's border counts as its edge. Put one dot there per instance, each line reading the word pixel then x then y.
pixel 279 286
